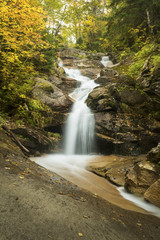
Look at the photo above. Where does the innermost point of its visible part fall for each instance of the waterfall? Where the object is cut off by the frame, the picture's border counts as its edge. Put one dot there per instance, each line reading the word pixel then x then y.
pixel 79 137
pixel 79 131
pixel 106 62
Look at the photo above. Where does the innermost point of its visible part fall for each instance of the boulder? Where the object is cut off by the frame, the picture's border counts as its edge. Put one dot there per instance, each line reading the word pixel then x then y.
pixel 103 80
pixel 153 193
pixel 67 62
pixel 140 177
pixel 87 63
pixel 70 53
pixel 67 85
pixel 125 80
pixel 112 167
pixel 100 100
pixel 109 72
pixel 132 97
pixel 48 94
pixel 154 155
pixel 90 72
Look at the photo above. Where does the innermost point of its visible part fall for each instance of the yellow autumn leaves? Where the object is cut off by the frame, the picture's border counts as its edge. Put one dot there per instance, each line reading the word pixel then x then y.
pixel 20 34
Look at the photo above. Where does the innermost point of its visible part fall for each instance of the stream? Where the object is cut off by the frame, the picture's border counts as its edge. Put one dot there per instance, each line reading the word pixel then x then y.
pixel 79 150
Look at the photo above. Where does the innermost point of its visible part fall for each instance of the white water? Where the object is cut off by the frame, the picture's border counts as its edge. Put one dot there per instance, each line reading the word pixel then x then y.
pixel 139 201
pixel 79 133
pixel 106 62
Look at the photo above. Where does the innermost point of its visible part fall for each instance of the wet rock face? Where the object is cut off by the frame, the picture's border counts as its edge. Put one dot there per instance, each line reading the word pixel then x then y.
pixel 120 133
pixel 153 193
pixel 101 100
pixel 150 83
pixel 121 115
pixel 112 167
pixel 141 177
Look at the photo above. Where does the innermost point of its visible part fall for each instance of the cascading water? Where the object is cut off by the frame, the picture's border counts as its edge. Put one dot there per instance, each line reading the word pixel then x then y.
pixel 79 130
pixel 79 134
pixel 106 62
pixel 79 140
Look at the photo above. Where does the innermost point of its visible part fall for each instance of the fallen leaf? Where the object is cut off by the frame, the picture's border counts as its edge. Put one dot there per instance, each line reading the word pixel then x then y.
pixel 8 168
pixel 70 195
pixel 49 236
pixel 61 193
pixel 57 181
pixel 86 216
pixel 22 173
pixel 21 177
pixel 80 234
pixel 139 224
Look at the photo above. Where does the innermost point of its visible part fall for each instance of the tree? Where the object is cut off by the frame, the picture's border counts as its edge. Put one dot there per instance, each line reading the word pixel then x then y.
pixel 22 25
pixel 132 22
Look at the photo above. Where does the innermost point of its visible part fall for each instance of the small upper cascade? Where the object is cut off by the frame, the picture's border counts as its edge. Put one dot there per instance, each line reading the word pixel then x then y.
pixel 106 62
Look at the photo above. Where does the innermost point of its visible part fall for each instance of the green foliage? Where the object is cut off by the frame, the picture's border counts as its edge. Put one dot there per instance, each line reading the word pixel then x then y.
pixel 34 113
pixel 27 48
pixel 131 23
pixel 3 118
pixel 140 58
pixel 156 60
pixel 136 67
pixel 56 136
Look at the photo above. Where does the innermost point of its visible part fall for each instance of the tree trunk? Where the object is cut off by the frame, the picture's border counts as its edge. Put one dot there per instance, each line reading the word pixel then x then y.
pixel 149 21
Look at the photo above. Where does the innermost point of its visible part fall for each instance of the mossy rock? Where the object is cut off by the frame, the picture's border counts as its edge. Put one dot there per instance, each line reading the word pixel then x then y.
pixel 132 97
pixel 125 108
pixel 46 87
